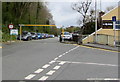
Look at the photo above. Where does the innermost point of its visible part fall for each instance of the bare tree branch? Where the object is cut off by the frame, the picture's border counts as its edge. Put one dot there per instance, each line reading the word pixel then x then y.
pixel 82 8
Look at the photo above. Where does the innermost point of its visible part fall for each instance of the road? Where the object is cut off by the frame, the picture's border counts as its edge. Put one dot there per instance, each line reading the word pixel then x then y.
pixel 50 60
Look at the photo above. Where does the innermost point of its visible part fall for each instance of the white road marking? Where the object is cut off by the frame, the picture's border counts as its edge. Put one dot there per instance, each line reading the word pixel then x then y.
pixel 70 50
pixel 52 62
pixel 43 78
pixel 50 72
pixel 55 58
pixel 60 55
pixel 61 62
pixel 103 78
pixel 39 70
pixel 66 52
pixel 45 66
pixel 73 48
pixel 111 79
pixel 56 67
pixel 30 76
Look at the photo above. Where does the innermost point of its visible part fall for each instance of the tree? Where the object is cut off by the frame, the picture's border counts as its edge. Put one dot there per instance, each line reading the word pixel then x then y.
pixel 25 13
pixel 82 8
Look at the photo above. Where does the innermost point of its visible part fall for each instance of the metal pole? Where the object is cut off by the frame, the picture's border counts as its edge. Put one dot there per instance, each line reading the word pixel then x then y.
pixel 62 33
pixel 100 5
pixel 95 21
pixel 10 37
pixel 114 33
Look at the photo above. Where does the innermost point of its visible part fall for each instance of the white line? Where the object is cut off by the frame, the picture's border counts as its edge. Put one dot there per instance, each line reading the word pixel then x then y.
pixel 50 72
pixel 52 62
pixel 111 79
pixel 64 53
pixel 30 76
pixel 75 48
pixel 45 66
pixel 60 55
pixel 103 79
pixel 43 78
pixel 55 58
pixel 62 62
pixel 56 67
pixel 70 50
pixel 39 70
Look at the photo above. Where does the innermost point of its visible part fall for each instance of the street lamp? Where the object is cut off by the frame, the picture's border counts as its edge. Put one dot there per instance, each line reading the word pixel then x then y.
pixel 95 21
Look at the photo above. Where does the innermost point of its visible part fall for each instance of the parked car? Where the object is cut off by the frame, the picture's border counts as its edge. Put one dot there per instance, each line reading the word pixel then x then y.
pixel 47 35
pixel 39 35
pixel 65 36
pixel 34 35
pixel 43 36
pixel 51 36
pixel 75 36
pixel 25 36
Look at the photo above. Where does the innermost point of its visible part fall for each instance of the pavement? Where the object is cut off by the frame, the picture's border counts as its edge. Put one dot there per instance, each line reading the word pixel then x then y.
pixel 95 45
pixel 49 59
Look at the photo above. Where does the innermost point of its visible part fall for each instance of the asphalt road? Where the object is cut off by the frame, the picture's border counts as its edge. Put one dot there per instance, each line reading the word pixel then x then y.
pixel 50 60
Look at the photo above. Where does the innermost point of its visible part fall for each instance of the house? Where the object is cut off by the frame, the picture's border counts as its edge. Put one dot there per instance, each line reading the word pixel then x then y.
pixel 107 34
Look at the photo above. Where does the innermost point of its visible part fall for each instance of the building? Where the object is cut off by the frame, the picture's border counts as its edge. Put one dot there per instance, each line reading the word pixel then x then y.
pixel 107 34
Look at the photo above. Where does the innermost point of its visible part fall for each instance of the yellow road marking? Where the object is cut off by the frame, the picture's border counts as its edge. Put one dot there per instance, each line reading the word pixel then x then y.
pixel 98 48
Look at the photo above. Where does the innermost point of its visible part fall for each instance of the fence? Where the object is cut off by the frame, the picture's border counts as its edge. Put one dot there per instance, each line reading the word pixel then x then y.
pixel 108 39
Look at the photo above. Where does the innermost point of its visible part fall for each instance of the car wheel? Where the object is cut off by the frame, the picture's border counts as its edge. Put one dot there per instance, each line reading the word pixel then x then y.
pixel 28 39
pixel 36 38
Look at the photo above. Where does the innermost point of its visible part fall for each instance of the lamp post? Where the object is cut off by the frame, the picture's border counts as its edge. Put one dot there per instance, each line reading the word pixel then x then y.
pixel 114 25
pixel 95 21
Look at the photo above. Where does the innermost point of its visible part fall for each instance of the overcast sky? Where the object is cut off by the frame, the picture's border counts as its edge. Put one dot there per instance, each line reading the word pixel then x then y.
pixel 64 15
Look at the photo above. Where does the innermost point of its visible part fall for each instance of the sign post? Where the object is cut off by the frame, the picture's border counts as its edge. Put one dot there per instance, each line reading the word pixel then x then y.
pixel 10 26
pixel 114 25
pixel 14 32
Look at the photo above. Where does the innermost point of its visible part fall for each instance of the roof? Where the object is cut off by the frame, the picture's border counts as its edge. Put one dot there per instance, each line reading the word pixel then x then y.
pixel 113 12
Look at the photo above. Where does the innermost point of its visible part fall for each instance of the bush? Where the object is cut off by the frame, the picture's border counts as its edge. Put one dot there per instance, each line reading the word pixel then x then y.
pixel 6 37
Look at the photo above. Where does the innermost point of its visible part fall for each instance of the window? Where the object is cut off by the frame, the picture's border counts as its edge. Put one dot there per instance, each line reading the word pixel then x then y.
pixel 117 25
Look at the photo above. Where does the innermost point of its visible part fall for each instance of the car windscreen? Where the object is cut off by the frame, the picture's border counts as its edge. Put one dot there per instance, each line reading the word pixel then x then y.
pixel 38 34
pixel 42 34
pixel 24 33
pixel 66 33
pixel 33 33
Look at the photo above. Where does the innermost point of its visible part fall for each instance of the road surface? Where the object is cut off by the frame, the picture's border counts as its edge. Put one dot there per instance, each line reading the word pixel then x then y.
pixel 50 60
